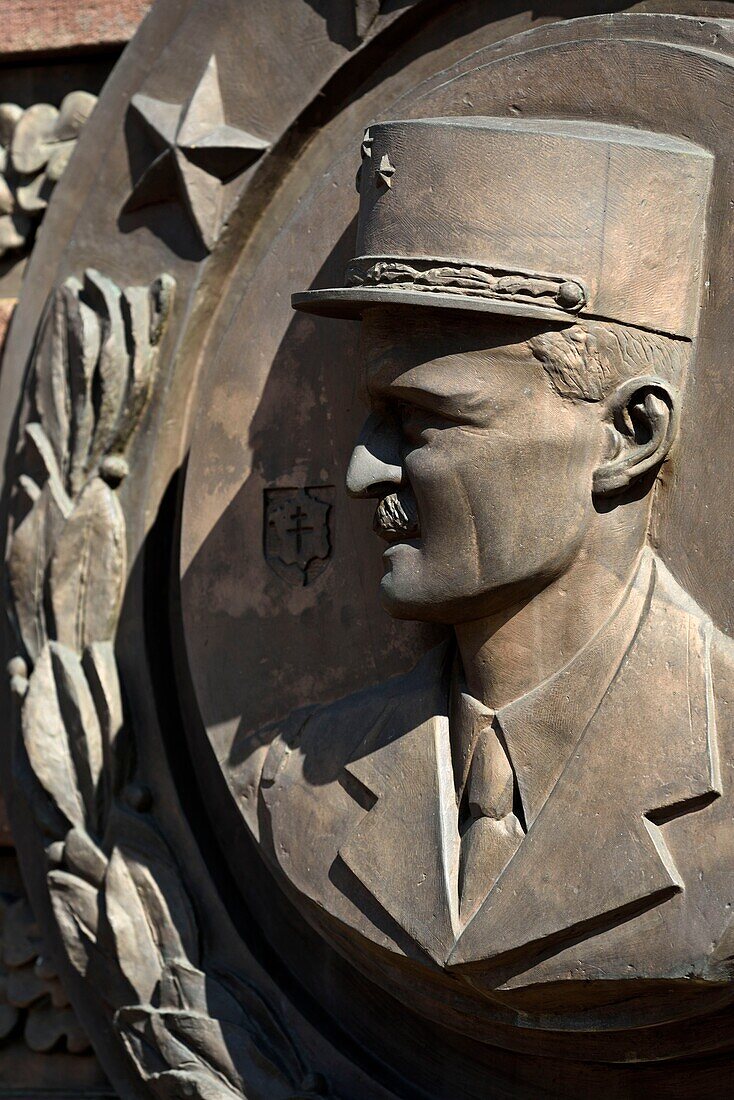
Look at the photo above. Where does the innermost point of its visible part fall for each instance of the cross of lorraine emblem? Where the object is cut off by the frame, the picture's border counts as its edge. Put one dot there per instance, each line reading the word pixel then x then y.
pixel 297 535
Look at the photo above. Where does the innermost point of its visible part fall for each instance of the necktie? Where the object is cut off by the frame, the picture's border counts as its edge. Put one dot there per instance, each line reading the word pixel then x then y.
pixel 490 830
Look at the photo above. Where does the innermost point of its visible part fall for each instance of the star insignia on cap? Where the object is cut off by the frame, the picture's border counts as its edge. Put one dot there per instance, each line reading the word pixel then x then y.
pixel 366 151
pixel 197 152
pixel 384 172
pixel 367 142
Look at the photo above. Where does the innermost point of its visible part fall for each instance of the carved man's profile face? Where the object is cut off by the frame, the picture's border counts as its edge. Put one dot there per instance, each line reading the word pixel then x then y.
pixel 485 446
pixel 490 468
pixel 517 346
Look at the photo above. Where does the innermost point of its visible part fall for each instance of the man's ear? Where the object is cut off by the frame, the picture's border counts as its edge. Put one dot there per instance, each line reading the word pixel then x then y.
pixel 642 420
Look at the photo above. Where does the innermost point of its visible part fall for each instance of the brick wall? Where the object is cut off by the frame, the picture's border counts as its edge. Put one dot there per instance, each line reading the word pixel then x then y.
pixel 47 26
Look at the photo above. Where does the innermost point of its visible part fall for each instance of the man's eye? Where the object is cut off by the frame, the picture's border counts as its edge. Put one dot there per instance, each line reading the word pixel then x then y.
pixel 414 422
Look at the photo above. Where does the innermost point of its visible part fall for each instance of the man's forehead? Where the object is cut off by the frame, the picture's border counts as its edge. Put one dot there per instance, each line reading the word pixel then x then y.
pixel 444 355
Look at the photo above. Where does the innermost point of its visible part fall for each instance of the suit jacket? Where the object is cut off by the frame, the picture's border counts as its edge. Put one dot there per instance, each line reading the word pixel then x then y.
pixel 626 871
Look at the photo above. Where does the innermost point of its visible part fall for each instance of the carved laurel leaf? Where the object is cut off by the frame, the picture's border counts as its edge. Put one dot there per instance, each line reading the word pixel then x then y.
pixel 218 1038
pixel 263 1023
pixel 41 507
pixel 76 908
pixel 127 921
pixel 62 735
pixel 30 550
pixel 153 1050
pixel 47 1025
pixel 81 723
pixel 150 1037
pixel 105 298
pixel 167 907
pixel 157 879
pixel 84 858
pixel 32 197
pixel 100 668
pixel 94 362
pixel 87 569
pixel 147 920
pixel 33 134
pixel 365 13
pixel 40 458
pixel 27 493
pixel 211 1054
pixel 183 986
pixel 46 742
pixel 145 312
pixel 125 931
pixel 189 1083
pixel 52 394
pixel 82 348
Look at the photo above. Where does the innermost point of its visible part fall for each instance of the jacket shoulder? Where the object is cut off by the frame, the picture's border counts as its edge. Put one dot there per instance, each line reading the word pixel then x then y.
pixel 722 667
pixel 672 594
pixel 327 735
pixel 421 678
pixel 717 645
pixel 322 736
pixel 250 755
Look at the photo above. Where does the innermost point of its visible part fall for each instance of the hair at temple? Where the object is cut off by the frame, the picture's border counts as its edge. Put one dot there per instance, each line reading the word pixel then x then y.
pixel 588 360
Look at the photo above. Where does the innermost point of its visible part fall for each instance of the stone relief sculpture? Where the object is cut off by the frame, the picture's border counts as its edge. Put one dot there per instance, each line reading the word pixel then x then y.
pixel 539 801
pixel 278 844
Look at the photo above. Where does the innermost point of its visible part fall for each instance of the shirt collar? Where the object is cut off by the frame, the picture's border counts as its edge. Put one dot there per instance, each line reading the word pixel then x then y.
pixel 542 727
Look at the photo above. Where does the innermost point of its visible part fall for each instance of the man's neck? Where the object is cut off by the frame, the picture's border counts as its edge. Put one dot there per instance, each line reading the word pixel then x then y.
pixel 507 655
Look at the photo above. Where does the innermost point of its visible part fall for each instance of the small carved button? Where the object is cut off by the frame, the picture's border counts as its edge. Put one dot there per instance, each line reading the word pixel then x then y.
pixel 571 295
pixel 138 797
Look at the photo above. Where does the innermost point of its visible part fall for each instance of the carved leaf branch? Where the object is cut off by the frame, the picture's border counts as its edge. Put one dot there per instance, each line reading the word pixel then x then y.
pixel 94 364
pixel 365 14
pixel 216 1044
pixel 124 915
pixel 35 148
pixel 31 994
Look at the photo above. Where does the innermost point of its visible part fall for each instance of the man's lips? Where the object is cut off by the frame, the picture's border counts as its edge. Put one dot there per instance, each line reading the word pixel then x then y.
pixel 396 518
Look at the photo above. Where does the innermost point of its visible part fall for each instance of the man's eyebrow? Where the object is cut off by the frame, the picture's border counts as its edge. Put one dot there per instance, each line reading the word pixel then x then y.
pixel 416 393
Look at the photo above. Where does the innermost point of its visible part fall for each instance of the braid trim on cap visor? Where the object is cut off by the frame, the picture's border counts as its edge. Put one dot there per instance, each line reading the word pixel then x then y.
pixel 467 279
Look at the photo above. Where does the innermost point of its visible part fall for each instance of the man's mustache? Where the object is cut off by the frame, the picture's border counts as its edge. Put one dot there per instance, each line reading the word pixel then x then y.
pixel 396 517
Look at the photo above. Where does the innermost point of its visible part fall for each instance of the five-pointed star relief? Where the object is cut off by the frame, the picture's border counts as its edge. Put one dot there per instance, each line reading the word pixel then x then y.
pixel 197 152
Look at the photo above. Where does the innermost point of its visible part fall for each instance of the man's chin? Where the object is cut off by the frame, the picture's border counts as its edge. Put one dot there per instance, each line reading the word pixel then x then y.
pixel 410 590
pixel 402 601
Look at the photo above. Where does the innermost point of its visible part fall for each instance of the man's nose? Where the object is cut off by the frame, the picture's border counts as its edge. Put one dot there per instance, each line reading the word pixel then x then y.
pixel 376 460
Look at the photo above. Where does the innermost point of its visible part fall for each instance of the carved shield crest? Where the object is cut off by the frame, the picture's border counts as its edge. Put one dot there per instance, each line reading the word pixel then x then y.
pixel 297 536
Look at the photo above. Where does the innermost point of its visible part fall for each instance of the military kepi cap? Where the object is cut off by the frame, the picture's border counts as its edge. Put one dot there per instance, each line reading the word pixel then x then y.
pixel 538 218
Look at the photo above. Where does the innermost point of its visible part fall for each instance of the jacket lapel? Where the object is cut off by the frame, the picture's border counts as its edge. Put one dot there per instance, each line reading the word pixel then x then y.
pixel 405 850
pixel 596 854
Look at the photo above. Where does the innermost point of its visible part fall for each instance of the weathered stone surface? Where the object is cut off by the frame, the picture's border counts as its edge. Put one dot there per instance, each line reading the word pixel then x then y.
pixel 284 843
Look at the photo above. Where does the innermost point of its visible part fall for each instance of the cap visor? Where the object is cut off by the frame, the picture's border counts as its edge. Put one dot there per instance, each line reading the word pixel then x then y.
pixel 351 302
